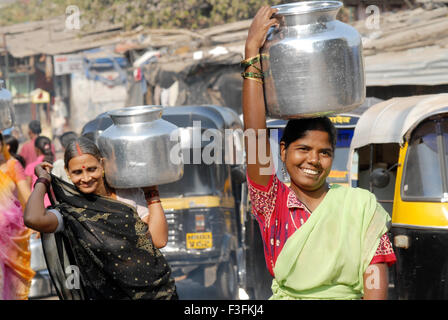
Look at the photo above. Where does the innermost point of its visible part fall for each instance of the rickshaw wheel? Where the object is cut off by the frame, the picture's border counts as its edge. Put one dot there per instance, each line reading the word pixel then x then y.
pixel 227 280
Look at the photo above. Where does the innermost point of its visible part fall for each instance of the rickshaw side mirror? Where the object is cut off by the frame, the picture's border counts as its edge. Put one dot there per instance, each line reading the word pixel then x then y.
pixel 238 174
pixel 380 178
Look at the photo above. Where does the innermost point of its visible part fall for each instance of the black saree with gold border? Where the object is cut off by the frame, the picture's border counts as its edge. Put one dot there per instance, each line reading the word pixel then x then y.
pixel 107 244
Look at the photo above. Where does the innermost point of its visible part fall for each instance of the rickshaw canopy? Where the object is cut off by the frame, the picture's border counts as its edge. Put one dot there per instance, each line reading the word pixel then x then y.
pixel 393 120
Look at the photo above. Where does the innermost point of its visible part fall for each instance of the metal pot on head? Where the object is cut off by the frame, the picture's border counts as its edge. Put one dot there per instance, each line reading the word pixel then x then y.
pixel 313 63
pixel 137 148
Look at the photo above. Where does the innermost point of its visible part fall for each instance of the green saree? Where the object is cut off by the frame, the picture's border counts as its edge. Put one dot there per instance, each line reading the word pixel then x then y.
pixel 327 257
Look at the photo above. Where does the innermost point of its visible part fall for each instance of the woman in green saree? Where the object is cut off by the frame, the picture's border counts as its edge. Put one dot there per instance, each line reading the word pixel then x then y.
pixel 321 241
pixel 111 236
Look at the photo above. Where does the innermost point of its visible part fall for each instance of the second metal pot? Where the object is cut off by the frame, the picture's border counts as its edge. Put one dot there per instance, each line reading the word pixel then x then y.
pixel 137 148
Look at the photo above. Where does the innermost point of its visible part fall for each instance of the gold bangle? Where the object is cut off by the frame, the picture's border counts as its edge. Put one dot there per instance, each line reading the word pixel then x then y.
pixel 255 79
pixel 249 60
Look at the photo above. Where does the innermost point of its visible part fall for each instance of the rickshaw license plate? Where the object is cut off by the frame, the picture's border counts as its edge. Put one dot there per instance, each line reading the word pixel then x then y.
pixel 199 240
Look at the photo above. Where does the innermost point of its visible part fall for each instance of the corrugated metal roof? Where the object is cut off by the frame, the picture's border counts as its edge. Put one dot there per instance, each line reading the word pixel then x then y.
pixel 419 66
pixel 51 37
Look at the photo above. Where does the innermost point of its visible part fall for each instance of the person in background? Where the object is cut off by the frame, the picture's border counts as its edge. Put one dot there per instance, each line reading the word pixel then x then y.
pixel 15 257
pixel 113 235
pixel 13 144
pixel 28 151
pixel 58 166
pixel 44 153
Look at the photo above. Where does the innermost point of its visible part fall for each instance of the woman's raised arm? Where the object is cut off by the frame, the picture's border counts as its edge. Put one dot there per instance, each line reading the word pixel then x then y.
pixel 253 96
pixel 156 220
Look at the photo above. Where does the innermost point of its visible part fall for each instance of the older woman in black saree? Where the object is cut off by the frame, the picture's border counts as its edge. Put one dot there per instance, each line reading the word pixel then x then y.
pixel 111 236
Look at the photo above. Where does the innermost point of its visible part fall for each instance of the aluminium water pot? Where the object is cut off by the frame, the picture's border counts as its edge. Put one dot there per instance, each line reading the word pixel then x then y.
pixel 137 148
pixel 313 63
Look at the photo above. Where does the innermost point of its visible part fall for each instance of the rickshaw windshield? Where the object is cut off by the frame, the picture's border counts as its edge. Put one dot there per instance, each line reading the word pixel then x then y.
pixel 198 179
pixel 340 159
pixel 423 173
pixel 342 149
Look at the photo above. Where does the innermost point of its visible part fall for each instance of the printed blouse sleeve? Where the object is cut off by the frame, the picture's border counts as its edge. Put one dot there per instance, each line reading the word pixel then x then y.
pixel 384 253
pixel 263 198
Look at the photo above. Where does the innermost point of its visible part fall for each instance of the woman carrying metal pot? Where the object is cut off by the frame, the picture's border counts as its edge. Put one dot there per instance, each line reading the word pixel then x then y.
pixel 111 236
pixel 321 241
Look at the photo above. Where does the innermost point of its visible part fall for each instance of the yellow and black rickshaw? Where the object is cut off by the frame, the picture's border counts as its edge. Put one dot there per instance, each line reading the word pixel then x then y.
pixel 205 234
pixel 399 151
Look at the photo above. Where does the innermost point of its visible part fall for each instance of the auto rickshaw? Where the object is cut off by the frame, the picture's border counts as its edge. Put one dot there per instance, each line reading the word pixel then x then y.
pixel 202 209
pixel 205 234
pixel 399 152
pixel 95 127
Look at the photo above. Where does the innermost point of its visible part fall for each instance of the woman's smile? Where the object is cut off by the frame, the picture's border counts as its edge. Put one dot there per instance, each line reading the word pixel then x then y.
pixel 310 172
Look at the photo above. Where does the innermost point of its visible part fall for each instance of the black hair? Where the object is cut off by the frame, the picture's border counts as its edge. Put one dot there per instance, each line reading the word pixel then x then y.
pixel 13 144
pixel 44 145
pixel 67 137
pixel 84 145
pixel 35 127
pixel 297 128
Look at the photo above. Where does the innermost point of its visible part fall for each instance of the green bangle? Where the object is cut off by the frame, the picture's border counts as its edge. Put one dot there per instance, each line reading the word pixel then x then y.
pixel 250 62
pixel 252 75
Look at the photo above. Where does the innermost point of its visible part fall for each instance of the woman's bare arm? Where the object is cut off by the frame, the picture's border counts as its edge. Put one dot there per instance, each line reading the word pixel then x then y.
pixel 376 282
pixel 36 216
pixel 156 220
